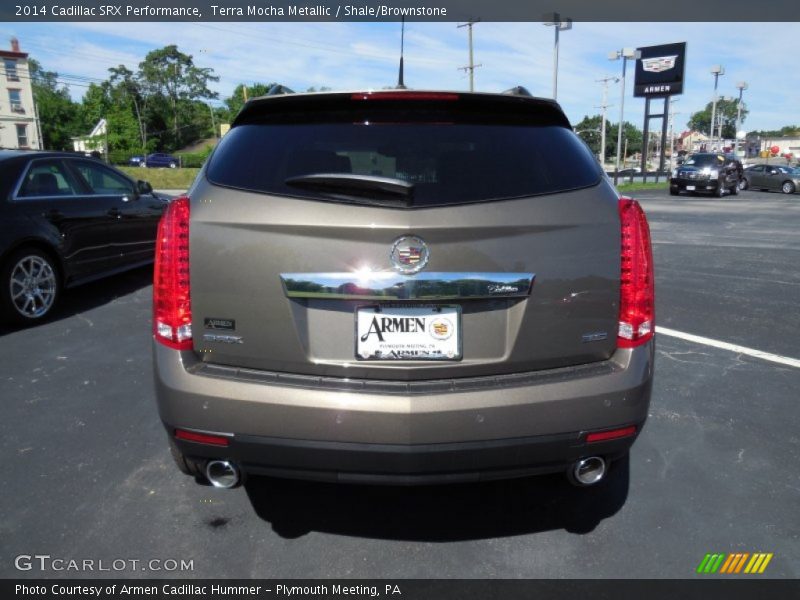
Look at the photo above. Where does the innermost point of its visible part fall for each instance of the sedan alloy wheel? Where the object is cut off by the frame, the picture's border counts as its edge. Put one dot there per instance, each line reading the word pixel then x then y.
pixel 32 286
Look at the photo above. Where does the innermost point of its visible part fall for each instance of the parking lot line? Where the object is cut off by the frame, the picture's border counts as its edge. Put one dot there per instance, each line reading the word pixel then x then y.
pixel 776 358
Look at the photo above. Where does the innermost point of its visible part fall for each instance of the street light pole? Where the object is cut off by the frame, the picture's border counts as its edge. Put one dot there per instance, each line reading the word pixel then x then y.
pixel 741 86
pixel 624 54
pixel 716 71
pixel 558 25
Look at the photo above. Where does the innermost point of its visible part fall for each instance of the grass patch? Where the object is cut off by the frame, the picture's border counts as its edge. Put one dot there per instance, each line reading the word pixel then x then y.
pixel 661 185
pixel 164 179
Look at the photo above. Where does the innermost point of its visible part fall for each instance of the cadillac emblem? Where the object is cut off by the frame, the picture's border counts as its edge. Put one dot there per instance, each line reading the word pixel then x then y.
pixel 658 65
pixel 409 254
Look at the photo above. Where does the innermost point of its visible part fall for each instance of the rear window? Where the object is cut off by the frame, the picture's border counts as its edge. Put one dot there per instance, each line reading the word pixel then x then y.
pixel 448 160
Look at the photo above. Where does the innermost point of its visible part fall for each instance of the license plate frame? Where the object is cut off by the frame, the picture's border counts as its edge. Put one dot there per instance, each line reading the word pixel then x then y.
pixel 690 188
pixel 440 339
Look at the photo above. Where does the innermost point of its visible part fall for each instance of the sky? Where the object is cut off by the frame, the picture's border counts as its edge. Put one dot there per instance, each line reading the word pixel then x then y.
pixel 351 56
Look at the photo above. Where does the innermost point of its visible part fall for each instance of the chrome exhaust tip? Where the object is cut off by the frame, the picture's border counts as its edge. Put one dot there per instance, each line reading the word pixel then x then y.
pixel 223 474
pixel 588 471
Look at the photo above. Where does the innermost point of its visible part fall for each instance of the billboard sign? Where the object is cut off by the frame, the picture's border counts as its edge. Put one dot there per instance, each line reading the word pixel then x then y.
pixel 660 71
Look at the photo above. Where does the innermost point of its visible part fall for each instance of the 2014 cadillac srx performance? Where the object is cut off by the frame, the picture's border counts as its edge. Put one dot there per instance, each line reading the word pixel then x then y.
pixel 402 287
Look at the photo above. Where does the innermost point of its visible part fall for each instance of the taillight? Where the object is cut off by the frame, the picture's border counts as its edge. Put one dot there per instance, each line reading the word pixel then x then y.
pixel 172 308
pixel 393 95
pixel 637 289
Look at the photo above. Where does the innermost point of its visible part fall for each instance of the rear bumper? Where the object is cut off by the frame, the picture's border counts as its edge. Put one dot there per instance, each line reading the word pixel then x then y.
pixel 461 430
pixel 406 464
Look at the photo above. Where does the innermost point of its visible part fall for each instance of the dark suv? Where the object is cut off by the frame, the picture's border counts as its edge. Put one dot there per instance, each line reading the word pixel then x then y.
pixel 710 173
pixel 402 287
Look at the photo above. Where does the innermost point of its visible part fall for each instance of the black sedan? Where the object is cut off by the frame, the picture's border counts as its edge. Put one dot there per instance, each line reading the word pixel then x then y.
pixel 65 220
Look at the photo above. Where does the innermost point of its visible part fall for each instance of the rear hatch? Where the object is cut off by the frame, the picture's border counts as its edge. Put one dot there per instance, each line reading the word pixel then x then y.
pixel 403 235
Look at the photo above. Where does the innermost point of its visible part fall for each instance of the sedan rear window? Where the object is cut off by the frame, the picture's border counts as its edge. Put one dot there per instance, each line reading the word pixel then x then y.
pixel 447 162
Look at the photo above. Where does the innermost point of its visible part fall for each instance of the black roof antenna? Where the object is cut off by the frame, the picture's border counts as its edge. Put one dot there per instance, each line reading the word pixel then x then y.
pixel 400 84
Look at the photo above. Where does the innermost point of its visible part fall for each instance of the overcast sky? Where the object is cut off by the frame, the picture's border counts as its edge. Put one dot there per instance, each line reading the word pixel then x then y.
pixel 365 55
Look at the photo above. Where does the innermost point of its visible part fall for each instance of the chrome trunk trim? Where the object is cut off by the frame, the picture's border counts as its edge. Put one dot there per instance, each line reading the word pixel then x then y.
pixel 395 286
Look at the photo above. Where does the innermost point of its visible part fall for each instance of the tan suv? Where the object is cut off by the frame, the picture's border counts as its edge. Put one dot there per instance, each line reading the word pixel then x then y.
pixel 402 287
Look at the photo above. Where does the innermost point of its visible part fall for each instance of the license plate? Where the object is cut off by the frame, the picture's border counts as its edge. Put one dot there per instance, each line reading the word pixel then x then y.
pixel 408 333
pixel 690 188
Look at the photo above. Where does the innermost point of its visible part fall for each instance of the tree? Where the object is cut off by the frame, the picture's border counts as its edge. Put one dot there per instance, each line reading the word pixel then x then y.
pixel 726 110
pixel 136 92
pixel 235 101
pixel 589 130
pixel 59 116
pixel 785 131
pixel 177 84
pixel 630 133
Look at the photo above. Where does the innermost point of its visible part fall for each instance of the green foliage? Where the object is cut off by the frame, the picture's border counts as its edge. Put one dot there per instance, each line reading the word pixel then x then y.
pixel 59 116
pixel 589 130
pixel 176 88
pixel 195 159
pixel 164 179
pixel 727 108
pixel 235 101
pixel 786 131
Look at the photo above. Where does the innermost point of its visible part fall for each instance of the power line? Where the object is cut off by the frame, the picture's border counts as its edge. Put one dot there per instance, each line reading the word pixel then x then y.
pixel 57 79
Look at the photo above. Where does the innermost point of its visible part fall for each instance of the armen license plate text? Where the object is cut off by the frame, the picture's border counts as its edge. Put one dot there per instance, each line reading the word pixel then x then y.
pixel 408 333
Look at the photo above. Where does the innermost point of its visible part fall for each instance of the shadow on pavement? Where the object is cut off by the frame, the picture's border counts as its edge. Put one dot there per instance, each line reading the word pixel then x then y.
pixel 86 297
pixel 444 513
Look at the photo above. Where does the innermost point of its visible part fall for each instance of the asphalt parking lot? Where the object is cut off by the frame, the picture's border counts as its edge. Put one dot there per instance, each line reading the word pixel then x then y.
pixel 87 473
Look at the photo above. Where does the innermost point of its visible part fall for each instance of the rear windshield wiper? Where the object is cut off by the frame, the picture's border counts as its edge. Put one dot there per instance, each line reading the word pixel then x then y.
pixel 367 188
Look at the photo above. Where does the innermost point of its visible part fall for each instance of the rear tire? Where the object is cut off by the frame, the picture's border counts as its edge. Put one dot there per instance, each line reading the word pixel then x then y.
pixel 30 285
pixel 743 185
pixel 787 187
pixel 720 191
pixel 172 165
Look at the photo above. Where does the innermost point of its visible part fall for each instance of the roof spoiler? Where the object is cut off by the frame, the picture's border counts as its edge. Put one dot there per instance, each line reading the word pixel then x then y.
pixel 279 89
pixel 518 91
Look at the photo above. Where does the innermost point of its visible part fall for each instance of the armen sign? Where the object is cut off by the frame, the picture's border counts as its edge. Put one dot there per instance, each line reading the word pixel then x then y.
pixel 660 71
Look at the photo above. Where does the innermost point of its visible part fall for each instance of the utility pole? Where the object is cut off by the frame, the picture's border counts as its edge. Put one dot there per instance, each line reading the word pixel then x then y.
pixel 625 54
pixel 471 66
pixel 625 155
pixel 213 121
pixel 401 85
pixel 603 107
pixel 741 86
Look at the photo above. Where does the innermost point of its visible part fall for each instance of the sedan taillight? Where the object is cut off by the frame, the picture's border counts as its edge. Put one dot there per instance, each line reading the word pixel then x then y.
pixel 172 308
